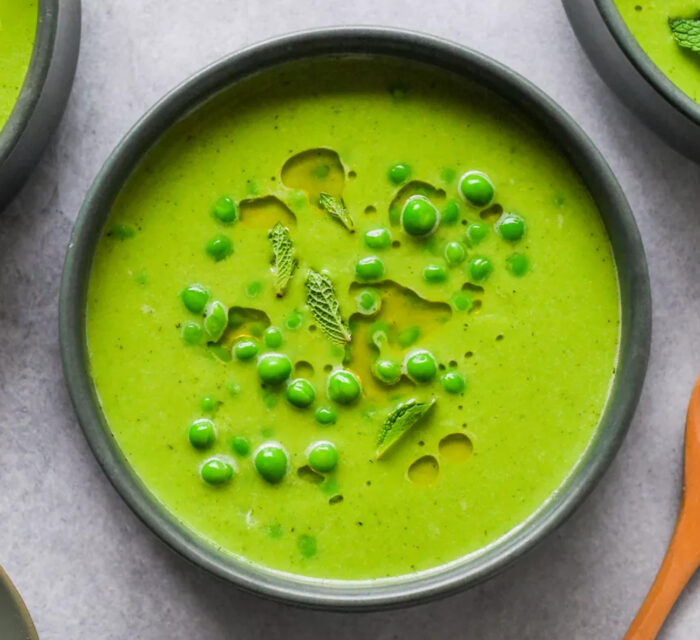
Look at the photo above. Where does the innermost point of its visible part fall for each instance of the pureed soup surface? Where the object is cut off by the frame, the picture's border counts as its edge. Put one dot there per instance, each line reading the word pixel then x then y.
pixel 648 21
pixel 18 20
pixel 482 351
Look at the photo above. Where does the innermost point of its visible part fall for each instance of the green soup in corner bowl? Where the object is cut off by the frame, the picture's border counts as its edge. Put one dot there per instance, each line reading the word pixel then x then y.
pixel 15 622
pixel 39 41
pixel 18 20
pixel 348 317
pixel 669 33
pixel 648 52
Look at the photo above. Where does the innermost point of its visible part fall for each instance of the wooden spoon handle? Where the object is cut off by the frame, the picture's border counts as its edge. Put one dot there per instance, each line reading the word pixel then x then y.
pixel 681 561
pixel 683 555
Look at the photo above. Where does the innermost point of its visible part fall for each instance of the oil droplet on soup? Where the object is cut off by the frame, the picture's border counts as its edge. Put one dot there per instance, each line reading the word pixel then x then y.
pixel 456 447
pixel 424 472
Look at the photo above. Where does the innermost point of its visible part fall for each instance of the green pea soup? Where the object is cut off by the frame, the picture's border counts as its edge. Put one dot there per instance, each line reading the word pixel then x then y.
pixel 648 22
pixel 384 398
pixel 18 22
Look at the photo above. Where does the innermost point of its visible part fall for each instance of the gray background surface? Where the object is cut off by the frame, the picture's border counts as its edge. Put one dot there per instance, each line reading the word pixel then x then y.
pixel 89 569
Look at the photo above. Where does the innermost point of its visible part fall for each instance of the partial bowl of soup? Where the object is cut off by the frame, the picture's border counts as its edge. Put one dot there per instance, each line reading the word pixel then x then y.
pixel 39 41
pixel 648 52
pixel 15 622
pixel 355 317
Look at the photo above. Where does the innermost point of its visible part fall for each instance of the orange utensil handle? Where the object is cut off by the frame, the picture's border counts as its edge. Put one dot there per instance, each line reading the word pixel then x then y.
pixel 681 561
pixel 683 555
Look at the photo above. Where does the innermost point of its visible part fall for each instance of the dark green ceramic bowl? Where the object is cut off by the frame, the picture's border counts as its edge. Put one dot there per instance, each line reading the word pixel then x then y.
pixel 632 75
pixel 15 623
pixel 43 96
pixel 554 122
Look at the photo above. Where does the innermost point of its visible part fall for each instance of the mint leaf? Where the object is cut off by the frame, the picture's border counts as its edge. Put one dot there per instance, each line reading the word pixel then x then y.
pixel 285 262
pixel 686 32
pixel 321 299
pixel 215 320
pixel 337 209
pixel 398 422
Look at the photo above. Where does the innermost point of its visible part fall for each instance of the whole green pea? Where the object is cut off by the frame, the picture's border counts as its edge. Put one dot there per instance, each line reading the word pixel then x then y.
pixel 225 210
pixel 511 227
pixel 272 337
pixel 450 212
pixel 209 404
pixel 121 231
pixel 219 247
pixel 241 445
pixel 480 268
pixel 448 174
pixel 378 334
pixel 408 336
pixel 369 268
pixel 517 264
pixel 435 273
pixel 378 238
pixel 343 386
pixel 216 471
pixel 300 393
pixel 322 456
pixel 202 433
pixel 419 217
pixel 216 320
pixel 274 368
pixel 453 382
pixel 476 188
pixel 368 301
pixel 321 171
pixel 462 301
pixel 387 371
pixel 307 545
pixel 254 289
pixel 294 319
pixel 141 277
pixel 400 172
pixel 455 253
pixel 192 333
pixel 271 462
pixel 236 318
pixel 326 415
pixel 195 298
pixel 421 366
pixel 246 348
pixel 476 232
pixel 257 328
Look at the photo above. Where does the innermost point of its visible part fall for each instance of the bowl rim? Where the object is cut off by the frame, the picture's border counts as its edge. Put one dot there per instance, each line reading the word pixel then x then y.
pixel 35 78
pixel 377 41
pixel 28 629
pixel 641 61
